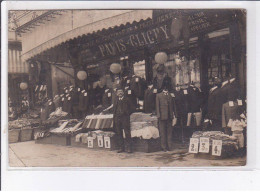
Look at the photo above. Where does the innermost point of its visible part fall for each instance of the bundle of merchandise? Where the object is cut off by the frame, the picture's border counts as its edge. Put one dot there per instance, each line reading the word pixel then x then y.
pixel 98 122
pixel 144 126
pixel 214 143
pixel 95 139
pixel 55 117
pixel 67 127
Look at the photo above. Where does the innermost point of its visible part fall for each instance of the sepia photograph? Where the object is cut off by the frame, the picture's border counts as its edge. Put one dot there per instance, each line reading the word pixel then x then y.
pixel 127 88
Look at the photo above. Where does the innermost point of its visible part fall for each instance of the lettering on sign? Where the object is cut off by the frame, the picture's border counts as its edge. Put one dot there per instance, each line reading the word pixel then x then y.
pixel 194 145
pixel 204 145
pixel 216 147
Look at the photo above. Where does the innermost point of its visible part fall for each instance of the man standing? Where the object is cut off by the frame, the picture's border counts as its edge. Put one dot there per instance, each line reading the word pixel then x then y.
pixel 123 108
pixel 164 110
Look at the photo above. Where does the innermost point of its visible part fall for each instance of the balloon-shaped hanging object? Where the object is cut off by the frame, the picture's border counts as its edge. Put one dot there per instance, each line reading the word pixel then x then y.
pixel 82 75
pixel 115 68
pixel 23 86
pixel 161 57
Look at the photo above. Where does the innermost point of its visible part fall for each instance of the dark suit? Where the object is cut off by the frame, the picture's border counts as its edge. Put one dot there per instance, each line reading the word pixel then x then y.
pixel 138 86
pixel 164 110
pixel 121 114
pixel 149 100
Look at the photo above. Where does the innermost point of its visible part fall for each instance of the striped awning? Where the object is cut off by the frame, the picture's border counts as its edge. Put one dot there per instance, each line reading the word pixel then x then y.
pixel 15 63
pixel 129 17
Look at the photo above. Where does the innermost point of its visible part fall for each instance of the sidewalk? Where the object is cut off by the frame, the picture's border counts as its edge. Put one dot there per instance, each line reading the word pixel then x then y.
pixel 29 154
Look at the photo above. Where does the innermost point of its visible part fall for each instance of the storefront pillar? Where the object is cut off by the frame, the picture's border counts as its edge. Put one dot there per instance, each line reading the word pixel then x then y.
pixel 204 48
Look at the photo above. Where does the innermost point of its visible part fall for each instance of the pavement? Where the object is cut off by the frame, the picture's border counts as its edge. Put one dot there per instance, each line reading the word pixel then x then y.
pixel 29 154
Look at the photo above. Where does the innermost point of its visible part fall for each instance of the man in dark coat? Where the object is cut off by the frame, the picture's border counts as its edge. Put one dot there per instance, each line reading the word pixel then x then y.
pixel 122 109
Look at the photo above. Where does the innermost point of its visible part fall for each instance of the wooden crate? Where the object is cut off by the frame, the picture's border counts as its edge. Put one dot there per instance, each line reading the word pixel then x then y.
pixel 44 140
pixel 26 134
pixel 77 144
pixel 14 135
pixel 113 143
pixel 146 145
pixel 60 140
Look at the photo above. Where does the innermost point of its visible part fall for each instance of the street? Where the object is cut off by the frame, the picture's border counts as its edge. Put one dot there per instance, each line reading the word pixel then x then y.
pixel 29 154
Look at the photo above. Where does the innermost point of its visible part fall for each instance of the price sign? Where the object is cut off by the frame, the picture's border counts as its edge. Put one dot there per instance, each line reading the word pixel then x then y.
pixel 100 141
pixel 128 81
pixel 239 102
pixel 129 92
pixel 216 147
pixel 194 145
pixel 107 142
pixel 172 94
pixel 154 91
pixel 137 79
pixel 185 92
pixel 109 94
pixel 204 145
pixel 231 103
pixel 90 142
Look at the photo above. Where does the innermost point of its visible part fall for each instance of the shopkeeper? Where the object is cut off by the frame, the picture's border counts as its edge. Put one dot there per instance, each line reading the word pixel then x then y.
pixel 122 109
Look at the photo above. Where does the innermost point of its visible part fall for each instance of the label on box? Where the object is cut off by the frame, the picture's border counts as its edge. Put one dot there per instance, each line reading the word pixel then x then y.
pixel 128 81
pixel 216 147
pixel 90 142
pixel 185 91
pixel 194 145
pixel 204 145
pixel 172 94
pixel 109 94
pixel 100 141
pixel 85 94
pixel 239 102
pixel 129 92
pixel 137 79
pixel 107 142
pixel 154 91
pixel 231 103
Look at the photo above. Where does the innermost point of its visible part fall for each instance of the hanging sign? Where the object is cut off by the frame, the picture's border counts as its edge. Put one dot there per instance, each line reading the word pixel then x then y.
pixel 204 145
pixel 194 145
pixel 216 147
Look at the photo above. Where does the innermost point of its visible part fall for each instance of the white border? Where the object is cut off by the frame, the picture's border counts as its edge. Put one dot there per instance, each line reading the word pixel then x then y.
pixel 136 178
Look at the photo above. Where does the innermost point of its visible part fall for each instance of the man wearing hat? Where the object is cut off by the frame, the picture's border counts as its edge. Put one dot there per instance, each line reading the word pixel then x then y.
pixel 162 80
pixel 122 109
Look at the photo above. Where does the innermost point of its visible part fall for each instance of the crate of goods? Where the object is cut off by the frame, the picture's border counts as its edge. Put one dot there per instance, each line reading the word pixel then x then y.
pixel 26 134
pixel 217 145
pixel 14 135
pixel 98 122
pixel 63 140
pixel 79 140
pixel 42 137
pixel 144 133
pixel 146 145
pixel 110 141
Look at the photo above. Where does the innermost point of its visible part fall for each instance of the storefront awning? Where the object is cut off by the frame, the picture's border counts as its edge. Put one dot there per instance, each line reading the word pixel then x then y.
pixel 123 19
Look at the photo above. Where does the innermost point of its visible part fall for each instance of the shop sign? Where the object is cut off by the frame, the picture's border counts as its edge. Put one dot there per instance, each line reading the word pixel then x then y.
pixel 194 145
pixel 147 33
pixel 204 145
pixel 216 147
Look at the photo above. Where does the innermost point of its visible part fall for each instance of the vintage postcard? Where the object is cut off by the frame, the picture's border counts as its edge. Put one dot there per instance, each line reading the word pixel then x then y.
pixel 127 88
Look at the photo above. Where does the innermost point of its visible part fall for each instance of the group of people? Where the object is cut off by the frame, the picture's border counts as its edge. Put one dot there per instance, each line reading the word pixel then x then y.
pixel 176 107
